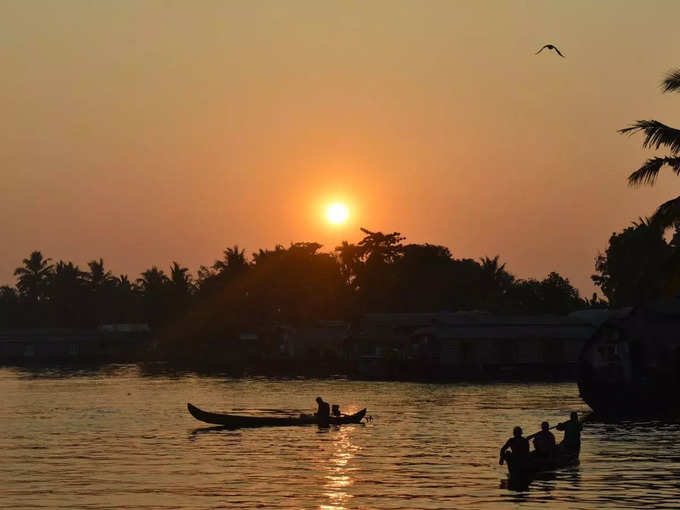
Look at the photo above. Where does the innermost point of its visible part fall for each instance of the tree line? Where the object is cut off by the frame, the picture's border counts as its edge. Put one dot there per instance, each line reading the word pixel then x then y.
pixel 293 285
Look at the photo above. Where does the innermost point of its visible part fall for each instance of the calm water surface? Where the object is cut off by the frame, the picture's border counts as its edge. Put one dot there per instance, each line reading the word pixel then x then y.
pixel 117 438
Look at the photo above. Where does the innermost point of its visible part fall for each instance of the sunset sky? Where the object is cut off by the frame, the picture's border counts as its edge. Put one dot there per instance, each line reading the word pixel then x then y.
pixel 152 131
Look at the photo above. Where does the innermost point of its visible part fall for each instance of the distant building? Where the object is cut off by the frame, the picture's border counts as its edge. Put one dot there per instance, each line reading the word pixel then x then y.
pixel 494 343
pixel 463 344
pixel 111 342
pixel 380 333
pixel 322 340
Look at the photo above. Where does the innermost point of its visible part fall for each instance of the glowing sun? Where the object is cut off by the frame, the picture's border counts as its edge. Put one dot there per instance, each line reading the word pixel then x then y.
pixel 337 213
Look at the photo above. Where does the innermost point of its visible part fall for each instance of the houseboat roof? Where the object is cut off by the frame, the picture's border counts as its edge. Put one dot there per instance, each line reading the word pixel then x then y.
pixel 509 327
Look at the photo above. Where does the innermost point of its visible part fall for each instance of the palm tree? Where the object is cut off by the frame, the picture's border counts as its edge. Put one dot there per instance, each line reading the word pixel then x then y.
pixel 495 271
pixel 66 278
pixel 34 276
pixel 234 261
pixel 97 276
pixel 124 284
pixel 153 285
pixel 659 135
pixel 180 280
pixel 496 281
pixel 349 257
pixel 152 281
pixel 67 296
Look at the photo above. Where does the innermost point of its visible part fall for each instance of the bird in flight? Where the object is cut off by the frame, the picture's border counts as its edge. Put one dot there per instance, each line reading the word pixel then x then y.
pixel 550 47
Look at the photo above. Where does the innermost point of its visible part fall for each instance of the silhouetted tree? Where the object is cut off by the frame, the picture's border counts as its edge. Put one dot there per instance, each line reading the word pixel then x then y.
pixel 634 268
pixel 296 284
pixel 126 301
pixel 32 282
pixel 425 278
pixel 234 261
pixel 659 135
pixel 10 310
pixel 495 282
pixel 559 296
pixel 34 276
pixel 376 276
pixel 101 284
pixel 68 295
pixel 98 277
pixel 181 287
pixel 153 285
pixel 232 265
pixel 349 258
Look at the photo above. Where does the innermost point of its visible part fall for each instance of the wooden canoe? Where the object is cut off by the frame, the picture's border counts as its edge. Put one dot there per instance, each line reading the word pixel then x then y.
pixel 239 421
pixel 533 463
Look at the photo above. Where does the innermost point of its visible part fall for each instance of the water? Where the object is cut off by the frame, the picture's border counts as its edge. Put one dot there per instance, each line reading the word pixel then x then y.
pixel 117 438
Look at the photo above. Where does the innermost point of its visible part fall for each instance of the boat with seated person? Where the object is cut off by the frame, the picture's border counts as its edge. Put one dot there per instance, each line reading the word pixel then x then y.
pixel 241 421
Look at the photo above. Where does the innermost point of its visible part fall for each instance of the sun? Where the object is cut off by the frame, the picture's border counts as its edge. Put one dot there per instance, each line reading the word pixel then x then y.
pixel 337 213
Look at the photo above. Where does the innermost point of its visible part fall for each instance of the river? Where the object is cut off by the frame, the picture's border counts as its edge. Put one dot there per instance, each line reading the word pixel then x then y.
pixel 120 437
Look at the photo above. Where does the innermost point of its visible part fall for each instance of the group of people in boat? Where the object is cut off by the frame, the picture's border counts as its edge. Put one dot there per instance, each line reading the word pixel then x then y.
pixel 544 441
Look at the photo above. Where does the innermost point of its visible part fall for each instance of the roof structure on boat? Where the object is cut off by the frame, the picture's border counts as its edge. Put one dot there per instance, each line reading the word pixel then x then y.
pixel 509 327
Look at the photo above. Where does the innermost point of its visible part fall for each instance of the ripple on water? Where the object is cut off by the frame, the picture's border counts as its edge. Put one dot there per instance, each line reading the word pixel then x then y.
pixel 118 439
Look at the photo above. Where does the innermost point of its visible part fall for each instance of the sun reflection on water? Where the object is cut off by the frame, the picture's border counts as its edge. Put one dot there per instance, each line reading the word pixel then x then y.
pixel 339 470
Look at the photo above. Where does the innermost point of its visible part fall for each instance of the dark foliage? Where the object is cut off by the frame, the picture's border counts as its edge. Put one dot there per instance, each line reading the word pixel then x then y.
pixel 639 265
pixel 292 286
pixel 657 135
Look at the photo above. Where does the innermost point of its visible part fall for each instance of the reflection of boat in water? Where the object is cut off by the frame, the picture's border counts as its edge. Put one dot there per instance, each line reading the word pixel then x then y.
pixel 631 365
pixel 239 421
pixel 531 465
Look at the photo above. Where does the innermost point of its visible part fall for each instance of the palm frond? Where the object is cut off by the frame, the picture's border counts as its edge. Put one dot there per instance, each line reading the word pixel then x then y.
pixel 656 134
pixel 668 213
pixel 648 172
pixel 672 81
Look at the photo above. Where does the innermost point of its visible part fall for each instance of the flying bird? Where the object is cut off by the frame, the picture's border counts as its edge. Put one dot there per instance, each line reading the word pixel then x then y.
pixel 551 47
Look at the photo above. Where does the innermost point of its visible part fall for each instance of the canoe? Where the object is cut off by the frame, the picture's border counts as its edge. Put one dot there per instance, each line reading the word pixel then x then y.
pixel 535 464
pixel 238 421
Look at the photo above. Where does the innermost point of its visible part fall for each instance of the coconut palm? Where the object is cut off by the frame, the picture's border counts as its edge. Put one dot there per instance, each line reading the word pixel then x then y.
pixel 180 280
pixel 123 283
pixel 68 300
pixel 152 281
pixel 495 273
pixel 234 261
pixel 349 258
pixel 34 276
pixel 66 280
pixel 97 276
pixel 657 135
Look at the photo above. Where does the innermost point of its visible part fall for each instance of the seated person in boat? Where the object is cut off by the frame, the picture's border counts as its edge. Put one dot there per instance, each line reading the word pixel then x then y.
pixel 335 410
pixel 572 433
pixel 518 444
pixel 544 441
pixel 323 412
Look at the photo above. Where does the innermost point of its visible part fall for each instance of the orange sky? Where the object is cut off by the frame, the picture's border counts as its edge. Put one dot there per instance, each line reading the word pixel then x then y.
pixel 146 132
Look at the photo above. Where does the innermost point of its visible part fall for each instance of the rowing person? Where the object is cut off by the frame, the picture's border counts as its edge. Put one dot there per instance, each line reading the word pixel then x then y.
pixel 544 441
pixel 323 412
pixel 572 433
pixel 518 444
